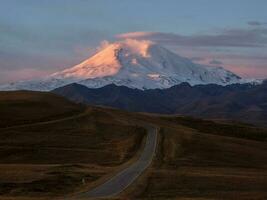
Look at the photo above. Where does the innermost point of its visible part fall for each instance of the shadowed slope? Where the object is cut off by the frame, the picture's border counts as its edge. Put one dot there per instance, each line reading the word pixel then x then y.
pixel 243 102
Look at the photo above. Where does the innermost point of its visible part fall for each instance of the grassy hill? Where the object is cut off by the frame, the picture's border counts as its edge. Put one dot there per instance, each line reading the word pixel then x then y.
pixel 63 148
pixel 193 165
pixel 23 107
pixel 202 159
pixel 67 148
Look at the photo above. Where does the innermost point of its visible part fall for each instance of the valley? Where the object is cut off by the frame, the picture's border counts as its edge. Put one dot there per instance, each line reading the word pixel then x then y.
pixel 76 148
pixel 133 100
pixel 61 156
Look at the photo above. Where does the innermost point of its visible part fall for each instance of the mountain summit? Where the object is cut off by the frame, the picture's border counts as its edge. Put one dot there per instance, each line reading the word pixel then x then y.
pixel 135 64
pixel 143 65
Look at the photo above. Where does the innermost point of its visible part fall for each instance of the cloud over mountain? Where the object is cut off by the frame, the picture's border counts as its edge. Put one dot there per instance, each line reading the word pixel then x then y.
pixel 227 38
pixel 242 50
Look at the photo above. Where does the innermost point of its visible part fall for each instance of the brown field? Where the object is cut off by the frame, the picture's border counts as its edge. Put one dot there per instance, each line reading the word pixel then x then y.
pixel 194 162
pixel 74 151
pixel 23 107
pixel 65 154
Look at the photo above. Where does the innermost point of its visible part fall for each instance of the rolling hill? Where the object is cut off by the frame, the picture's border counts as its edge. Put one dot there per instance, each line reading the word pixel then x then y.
pixel 65 152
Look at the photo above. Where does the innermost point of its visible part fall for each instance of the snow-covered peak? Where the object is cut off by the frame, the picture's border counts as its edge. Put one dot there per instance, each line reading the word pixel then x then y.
pixel 136 64
pixel 108 61
pixel 104 63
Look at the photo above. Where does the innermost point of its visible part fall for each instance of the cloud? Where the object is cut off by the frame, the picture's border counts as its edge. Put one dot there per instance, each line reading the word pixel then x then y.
pixel 243 51
pixel 256 37
pixel 249 71
pixel 256 23
pixel 103 44
pixel 215 62
pixel 48 41
pixel 44 48
pixel 197 58
pixel 21 74
pixel 136 35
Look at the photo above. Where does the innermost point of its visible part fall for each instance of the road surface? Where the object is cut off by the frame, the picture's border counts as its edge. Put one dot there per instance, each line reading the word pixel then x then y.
pixel 127 176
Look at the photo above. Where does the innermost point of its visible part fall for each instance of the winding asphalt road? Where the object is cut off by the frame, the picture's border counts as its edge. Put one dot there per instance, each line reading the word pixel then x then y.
pixel 127 176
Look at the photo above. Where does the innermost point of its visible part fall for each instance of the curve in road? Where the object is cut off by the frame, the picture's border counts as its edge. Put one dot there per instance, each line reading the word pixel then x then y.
pixel 127 176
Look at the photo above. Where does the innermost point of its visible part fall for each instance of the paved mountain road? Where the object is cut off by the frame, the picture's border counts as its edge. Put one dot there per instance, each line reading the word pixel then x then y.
pixel 127 176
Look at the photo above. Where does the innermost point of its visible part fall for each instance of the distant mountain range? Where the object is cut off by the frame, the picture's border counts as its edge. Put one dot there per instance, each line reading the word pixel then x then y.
pixel 245 102
pixel 142 76
pixel 135 64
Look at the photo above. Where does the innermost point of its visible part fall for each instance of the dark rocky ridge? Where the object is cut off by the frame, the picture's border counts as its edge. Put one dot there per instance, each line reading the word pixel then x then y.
pixel 243 102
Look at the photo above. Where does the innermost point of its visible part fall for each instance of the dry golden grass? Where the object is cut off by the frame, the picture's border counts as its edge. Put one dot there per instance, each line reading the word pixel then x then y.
pixel 202 159
pixel 192 164
pixel 66 154
pixel 75 151
pixel 24 107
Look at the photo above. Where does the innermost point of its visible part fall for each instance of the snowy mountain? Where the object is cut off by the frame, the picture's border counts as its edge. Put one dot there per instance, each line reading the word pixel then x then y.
pixel 135 64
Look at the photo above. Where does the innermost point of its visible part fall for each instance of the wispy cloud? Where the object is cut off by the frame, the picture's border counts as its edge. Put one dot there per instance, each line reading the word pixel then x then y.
pixel 215 62
pixel 243 51
pixel 256 37
pixel 256 23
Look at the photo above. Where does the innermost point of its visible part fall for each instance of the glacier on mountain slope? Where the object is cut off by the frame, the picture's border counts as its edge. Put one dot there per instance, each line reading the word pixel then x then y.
pixel 135 64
